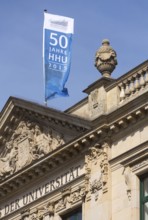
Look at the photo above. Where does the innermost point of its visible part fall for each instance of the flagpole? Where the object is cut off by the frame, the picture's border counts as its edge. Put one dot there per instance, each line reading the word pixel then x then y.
pixel 45 101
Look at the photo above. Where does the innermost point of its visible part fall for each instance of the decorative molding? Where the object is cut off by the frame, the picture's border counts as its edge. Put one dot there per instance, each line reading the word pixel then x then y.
pixel 69 198
pixel 140 165
pixel 38 213
pixel 130 158
pixel 128 181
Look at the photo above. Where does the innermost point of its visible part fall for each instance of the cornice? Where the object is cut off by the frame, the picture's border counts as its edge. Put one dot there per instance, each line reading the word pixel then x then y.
pixel 131 157
pixel 104 81
pixel 16 108
pixel 129 111
pixel 43 111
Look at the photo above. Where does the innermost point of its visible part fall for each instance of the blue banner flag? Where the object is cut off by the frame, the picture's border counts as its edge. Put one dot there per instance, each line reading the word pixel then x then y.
pixel 57 40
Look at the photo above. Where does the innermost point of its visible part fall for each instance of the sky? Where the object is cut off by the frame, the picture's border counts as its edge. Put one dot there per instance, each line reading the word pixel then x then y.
pixel 124 23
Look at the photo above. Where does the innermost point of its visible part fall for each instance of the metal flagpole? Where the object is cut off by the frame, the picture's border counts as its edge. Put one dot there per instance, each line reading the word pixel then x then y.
pixel 45 102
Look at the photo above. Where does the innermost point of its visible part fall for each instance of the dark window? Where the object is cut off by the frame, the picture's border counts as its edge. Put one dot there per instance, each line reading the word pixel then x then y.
pixel 144 198
pixel 75 215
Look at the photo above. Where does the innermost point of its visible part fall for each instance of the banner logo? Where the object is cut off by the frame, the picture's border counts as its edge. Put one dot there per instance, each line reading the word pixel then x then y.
pixel 58 32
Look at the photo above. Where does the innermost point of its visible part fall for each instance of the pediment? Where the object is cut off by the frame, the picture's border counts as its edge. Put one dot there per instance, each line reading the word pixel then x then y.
pixel 28 135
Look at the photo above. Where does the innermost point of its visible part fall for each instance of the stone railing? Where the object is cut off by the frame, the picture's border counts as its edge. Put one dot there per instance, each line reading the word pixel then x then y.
pixel 133 83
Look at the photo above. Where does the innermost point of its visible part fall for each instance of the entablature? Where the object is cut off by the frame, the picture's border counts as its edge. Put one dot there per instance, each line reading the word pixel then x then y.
pixel 99 134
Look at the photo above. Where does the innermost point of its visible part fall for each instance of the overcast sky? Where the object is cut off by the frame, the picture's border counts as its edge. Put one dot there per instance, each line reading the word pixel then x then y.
pixel 124 23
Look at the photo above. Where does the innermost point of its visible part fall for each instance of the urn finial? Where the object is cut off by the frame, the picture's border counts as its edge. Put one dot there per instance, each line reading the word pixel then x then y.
pixel 105 59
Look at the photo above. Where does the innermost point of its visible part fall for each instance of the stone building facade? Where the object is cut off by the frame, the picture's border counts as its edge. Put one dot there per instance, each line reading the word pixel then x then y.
pixel 89 162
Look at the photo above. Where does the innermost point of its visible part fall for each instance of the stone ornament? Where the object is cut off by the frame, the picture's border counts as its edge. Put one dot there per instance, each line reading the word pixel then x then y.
pixel 25 214
pixel 128 181
pixel 94 98
pixel 105 59
pixel 28 143
pixel 95 186
pixel 67 199
pixel 96 166
pixel 39 213
pixel 95 103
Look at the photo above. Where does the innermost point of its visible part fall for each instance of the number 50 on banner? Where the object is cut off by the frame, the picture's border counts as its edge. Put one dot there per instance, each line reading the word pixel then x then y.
pixel 58 32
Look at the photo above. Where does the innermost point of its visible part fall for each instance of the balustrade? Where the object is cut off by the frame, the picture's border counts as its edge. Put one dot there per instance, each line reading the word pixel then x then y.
pixel 133 84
